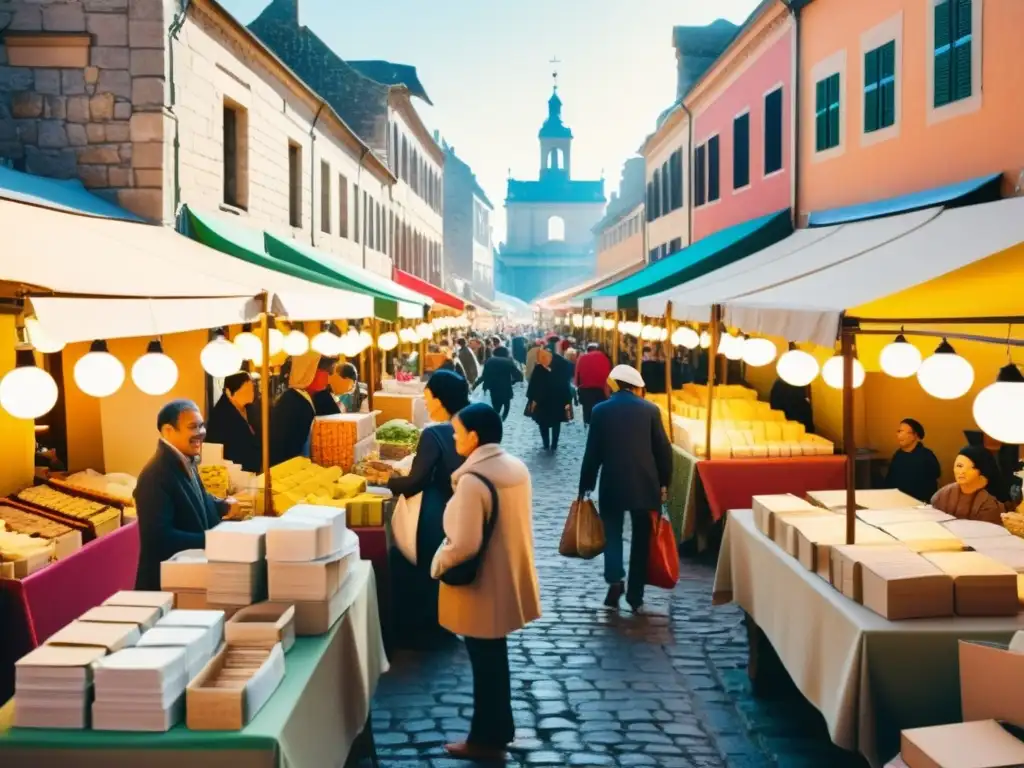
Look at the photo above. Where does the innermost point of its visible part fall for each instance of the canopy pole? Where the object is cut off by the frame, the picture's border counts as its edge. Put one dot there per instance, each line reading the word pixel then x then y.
pixel 713 332
pixel 615 339
pixel 668 369
pixel 268 494
pixel 423 349
pixel 375 334
pixel 849 439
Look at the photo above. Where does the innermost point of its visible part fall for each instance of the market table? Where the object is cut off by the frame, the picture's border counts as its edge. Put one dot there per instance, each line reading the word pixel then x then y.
pixel 682 494
pixel 868 676
pixel 373 546
pixel 35 607
pixel 311 721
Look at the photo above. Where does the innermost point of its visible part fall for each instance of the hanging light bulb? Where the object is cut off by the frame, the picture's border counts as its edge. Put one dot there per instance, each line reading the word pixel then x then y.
pixel 27 391
pixel 40 339
pixel 425 331
pixel 249 345
pixel 326 342
pixel 296 343
pixel 725 342
pixel 945 375
pixel 999 407
pixel 735 349
pixel 220 358
pixel 387 341
pixel 900 359
pixel 351 344
pixel 759 352
pixel 276 342
pixel 577 321
pixel 99 373
pixel 832 372
pixel 408 336
pixel 609 324
pixel 155 373
pixel 797 367
pixel 365 340
pixel 588 321
pixel 705 340
pixel 685 336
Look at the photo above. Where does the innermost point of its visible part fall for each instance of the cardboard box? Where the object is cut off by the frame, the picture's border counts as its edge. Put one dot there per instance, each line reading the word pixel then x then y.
pixel 880 517
pixel 782 527
pixel 906 587
pixel 318 616
pixel 163 601
pixel 765 506
pixel 815 536
pixel 991 682
pixel 237 583
pixel 142 617
pixel 184 571
pixel 846 561
pixel 983 586
pixel 191 600
pixel 978 744
pixel 317 580
pixel 228 693
pixel 263 625
pixel 924 537
pixel 879 498
pixel 967 530
pixel 238 541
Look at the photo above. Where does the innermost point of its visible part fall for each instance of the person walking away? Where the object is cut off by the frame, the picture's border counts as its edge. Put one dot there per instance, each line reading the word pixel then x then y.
pixel 505 595
pixel 548 397
pixel 499 375
pixel 531 358
pixel 592 372
pixel 519 348
pixel 628 446
pixel 414 593
pixel 466 358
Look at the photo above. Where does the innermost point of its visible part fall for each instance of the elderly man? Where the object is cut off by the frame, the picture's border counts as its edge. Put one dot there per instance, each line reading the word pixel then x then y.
pixel 628 445
pixel 173 507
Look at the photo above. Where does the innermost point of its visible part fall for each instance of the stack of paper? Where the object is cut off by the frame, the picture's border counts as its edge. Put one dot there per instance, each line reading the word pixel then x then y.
pixel 241 541
pixel 142 617
pixel 163 601
pixel 53 686
pixel 140 689
pixel 235 585
pixel 107 635
pixel 878 498
pixel 211 621
pixel 236 569
pixel 312 580
pixel 186 575
pixel 199 644
pixel 330 523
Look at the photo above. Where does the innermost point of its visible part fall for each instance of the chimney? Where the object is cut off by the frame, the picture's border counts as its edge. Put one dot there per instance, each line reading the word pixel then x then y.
pixel 696 50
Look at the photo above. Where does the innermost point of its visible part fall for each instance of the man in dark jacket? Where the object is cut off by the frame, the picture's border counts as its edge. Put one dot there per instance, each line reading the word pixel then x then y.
pixel 173 507
pixel 500 373
pixel 468 360
pixel 628 445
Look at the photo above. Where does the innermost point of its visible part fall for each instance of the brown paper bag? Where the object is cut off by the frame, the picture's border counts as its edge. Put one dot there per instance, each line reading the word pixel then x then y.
pixel 583 535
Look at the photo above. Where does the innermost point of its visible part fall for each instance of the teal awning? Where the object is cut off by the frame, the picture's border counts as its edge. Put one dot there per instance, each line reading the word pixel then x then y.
pixel 710 253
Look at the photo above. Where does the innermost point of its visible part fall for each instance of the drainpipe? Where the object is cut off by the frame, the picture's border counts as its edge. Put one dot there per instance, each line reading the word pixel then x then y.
pixel 359 187
pixel 172 35
pixel 794 8
pixel 689 196
pixel 312 175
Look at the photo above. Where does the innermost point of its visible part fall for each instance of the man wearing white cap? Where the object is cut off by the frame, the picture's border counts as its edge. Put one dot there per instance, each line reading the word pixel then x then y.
pixel 628 446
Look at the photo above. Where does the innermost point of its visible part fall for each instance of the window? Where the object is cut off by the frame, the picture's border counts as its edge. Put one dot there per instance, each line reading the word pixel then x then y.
pixel 295 185
pixel 325 197
pixel 713 169
pixel 653 255
pixel 649 207
pixel 676 172
pixel 741 151
pixel 355 212
pixel 826 113
pixel 700 194
pixel 556 228
pixel 342 206
pixel 236 162
pixel 953 43
pixel 656 194
pixel 666 189
pixel 880 87
pixel 675 245
pixel 773 132
pixel 395 150
pixel 404 168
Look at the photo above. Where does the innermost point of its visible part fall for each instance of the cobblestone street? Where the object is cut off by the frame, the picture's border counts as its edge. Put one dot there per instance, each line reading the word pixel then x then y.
pixel 596 688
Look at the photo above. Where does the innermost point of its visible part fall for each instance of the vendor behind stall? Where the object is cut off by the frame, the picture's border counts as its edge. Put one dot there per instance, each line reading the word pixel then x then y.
pixel 291 421
pixel 914 470
pixel 229 423
pixel 174 509
pixel 976 494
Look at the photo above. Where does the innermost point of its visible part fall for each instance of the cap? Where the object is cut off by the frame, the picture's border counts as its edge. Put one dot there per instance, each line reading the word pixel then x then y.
pixel 627 375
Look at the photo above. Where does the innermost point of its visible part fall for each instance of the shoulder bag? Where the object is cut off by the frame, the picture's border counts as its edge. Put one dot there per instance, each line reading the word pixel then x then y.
pixel 464 573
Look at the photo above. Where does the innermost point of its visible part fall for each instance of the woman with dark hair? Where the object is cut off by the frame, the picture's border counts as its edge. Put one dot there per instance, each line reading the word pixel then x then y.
pixel 344 388
pixel 292 419
pixel 549 397
pixel 977 492
pixel 914 469
pixel 504 596
pixel 499 375
pixel 229 424
pixel 413 591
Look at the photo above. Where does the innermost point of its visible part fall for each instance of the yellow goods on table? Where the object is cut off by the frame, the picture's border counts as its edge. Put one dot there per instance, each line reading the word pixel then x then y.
pixel 215 479
pixel 299 481
pixel 365 510
pixel 342 440
pixel 98 519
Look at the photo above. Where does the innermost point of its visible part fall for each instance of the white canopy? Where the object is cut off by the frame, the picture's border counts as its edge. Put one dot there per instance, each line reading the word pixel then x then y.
pixel 806 305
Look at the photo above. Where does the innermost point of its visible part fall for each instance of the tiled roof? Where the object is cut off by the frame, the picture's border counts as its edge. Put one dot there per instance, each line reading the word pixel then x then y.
pixel 389 73
pixel 555 189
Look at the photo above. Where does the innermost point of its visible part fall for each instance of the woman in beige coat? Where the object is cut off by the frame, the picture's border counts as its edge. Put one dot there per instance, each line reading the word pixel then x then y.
pixel 505 595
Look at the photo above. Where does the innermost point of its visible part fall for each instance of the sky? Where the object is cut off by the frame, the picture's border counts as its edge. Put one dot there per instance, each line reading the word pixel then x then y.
pixel 486 66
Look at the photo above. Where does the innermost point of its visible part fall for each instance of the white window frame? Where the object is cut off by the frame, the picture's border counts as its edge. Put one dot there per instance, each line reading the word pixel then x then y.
pixel 835 64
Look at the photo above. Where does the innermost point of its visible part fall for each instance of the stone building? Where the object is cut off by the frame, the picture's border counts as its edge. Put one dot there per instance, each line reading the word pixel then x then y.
pixel 549 242
pixel 619 236
pixel 468 250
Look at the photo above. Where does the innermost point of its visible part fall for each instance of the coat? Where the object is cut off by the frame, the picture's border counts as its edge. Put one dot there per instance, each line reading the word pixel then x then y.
pixel 290 425
pixel 980 505
pixel 550 392
pixel 470 365
pixel 628 445
pixel 175 511
pixel 240 438
pixel 498 376
pixel 505 596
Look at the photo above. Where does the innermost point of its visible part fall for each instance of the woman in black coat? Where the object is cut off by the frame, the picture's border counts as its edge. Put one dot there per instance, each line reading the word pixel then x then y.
pixel 549 396
pixel 499 375
pixel 229 423
pixel 414 592
pixel 291 421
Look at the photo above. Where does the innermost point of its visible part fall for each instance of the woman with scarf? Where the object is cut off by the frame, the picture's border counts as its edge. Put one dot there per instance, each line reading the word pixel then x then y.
pixel 291 420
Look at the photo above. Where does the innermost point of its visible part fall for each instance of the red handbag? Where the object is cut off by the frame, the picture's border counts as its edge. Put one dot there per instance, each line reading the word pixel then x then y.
pixel 663 559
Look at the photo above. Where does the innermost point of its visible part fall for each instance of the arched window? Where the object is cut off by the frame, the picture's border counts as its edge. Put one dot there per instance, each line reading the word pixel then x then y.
pixel 556 228
pixel 556 159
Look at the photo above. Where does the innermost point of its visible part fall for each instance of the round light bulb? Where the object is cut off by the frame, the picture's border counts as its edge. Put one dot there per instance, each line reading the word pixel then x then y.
pixel 99 373
pixel 296 343
pixel 325 343
pixel 686 337
pixel 900 359
pixel 249 345
pixel 945 375
pixel 425 331
pixel 705 340
pixel 365 340
pixel 797 367
pixel 220 358
pixel 609 324
pixel 40 339
pixel 408 336
pixel 155 373
pixel 350 344
pixel 759 352
pixel 27 392
pixel 735 349
pixel 832 372
pixel 387 341
pixel 276 342
pixel 998 408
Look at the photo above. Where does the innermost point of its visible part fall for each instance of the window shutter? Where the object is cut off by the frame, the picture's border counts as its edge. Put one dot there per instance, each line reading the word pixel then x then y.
pixel 871 91
pixel 656 193
pixel 714 174
pixel 943 54
pixel 741 151
pixel 698 177
pixel 962 51
pixel 666 188
pixel 887 84
pixel 677 179
pixel 833 111
pixel 773 132
pixel 821 115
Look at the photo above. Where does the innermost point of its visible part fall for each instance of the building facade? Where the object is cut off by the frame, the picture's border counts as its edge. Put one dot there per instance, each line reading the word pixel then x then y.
pixel 549 242
pixel 619 236
pixel 468 232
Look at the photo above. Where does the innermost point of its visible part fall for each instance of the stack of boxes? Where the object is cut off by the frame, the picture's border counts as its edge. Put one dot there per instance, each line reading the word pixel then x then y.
pixel 236 570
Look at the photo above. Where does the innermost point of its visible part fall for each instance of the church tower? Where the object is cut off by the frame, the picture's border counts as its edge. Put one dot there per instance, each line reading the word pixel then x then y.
pixel 555 141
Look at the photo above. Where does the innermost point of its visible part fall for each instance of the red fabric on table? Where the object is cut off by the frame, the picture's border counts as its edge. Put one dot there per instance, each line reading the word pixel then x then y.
pixel 373 545
pixel 732 483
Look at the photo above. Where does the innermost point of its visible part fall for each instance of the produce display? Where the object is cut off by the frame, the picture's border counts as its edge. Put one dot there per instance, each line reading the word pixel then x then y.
pixel 215 479
pixel 94 518
pixel 342 440
pixel 398 438
pixel 375 472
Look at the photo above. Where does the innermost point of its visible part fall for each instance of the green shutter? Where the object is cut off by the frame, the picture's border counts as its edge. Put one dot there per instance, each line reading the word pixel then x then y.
pixel 962 51
pixel 871 91
pixel 943 54
pixel 833 111
pixel 887 84
pixel 821 115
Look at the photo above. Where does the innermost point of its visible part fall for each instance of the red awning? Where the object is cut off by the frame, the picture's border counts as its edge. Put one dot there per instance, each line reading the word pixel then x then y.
pixel 414 283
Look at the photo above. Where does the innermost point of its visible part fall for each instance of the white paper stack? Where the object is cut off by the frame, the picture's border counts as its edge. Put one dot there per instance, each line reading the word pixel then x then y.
pixel 314 580
pixel 241 541
pixel 140 689
pixel 186 575
pixel 107 635
pixel 235 585
pixel 212 621
pixel 298 539
pixel 199 644
pixel 53 686
pixel 335 537
pixel 163 601
pixel 143 617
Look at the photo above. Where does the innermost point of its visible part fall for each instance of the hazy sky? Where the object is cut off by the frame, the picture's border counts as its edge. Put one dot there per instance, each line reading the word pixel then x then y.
pixel 484 64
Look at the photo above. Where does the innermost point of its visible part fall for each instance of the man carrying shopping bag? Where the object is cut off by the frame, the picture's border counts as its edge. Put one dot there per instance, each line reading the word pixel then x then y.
pixel 628 446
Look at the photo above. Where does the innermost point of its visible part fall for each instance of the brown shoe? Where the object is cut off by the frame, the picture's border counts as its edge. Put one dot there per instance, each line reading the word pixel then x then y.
pixel 615 592
pixel 463 750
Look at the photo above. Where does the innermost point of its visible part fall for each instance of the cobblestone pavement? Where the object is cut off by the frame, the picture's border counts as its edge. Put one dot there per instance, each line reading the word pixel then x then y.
pixel 596 688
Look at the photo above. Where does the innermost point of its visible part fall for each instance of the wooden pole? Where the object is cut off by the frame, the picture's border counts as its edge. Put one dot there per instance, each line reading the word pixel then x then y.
pixel 713 331
pixel 849 438
pixel 668 369
pixel 372 383
pixel 615 340
pixel 423 349
pixel 268 494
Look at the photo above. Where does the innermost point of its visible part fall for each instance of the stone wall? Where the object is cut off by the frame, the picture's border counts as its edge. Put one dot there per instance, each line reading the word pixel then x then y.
pixel 100 121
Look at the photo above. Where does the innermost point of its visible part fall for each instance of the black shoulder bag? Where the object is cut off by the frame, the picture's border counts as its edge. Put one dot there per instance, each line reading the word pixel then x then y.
pixel 464 573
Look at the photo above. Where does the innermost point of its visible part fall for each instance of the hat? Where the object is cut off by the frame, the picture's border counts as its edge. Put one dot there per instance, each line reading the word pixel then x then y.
pixel 627 375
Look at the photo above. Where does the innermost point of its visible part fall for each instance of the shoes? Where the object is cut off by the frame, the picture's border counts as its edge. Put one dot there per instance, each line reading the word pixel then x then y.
pixel 636 606
pixel 615 592
pixel 463 750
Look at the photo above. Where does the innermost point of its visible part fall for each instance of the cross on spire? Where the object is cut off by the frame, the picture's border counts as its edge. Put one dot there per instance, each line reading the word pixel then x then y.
pixel 554 62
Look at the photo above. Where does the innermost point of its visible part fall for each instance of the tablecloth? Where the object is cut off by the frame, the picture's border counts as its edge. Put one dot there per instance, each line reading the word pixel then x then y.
pixel 732 483
pixel 35 607
pixel 311 721
pixel 868 676
pixel 681 495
